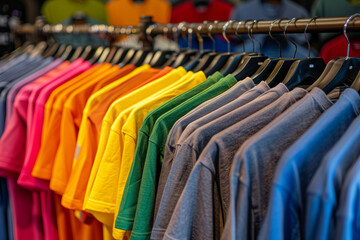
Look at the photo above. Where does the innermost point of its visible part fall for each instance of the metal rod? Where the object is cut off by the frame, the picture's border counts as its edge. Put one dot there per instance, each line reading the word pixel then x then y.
pixel 335 24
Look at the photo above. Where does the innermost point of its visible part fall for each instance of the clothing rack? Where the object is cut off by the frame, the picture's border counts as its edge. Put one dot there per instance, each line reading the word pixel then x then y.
pixel 147 28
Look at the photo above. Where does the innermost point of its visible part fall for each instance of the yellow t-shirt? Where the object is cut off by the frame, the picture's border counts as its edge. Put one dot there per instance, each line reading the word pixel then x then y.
pixel 70 121
pixel 52 118
pixel 102 207
pixel 128 133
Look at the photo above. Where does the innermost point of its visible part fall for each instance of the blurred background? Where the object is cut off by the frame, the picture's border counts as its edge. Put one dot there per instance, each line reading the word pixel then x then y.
pixel 128 12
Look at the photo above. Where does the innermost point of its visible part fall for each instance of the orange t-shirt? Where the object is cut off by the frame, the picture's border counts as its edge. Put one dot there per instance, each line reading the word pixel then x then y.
pixel 128 12
pixel 76 188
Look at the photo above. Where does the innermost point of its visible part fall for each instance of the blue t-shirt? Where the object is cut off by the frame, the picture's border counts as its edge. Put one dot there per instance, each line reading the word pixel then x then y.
pixel 286 210
pixel 348 212
pixel 324 189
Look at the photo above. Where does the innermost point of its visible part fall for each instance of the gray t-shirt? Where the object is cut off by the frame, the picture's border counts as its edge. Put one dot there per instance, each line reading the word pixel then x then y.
pixel 227 107
pixel 254 164
pixel 195 215
pixel 187 155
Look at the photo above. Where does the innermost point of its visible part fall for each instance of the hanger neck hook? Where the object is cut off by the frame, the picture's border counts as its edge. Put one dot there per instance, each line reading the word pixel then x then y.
pixel 237 34
pixel 290 40
pixel 190 32
pixel 271 36
pixel 180 28
pixel 249 35
pixel 200 39
pixel 149 32
pixel 305 35
pixel 224 34
pixel 345 33
pixel 211 26
pixel 252 28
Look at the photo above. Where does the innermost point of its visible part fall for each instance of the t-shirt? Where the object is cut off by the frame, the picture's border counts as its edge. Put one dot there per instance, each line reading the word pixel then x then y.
pixel 255 162
pixel 70 122
pixel 52 119
pixel 132 126
pixel 324 188
pixel 128 12
pixel 56 11
pixel 286 212
pixel 90 127
pixel 337 47
pixel 196 113
pixel 193 145
pixel 76 183
pixel 142 223
pixel 348 213
pixel 103 210
pixel 208 185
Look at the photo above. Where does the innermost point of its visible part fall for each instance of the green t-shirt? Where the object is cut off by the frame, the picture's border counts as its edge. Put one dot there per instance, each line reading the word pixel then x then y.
pixel 128 205
pixel 142 224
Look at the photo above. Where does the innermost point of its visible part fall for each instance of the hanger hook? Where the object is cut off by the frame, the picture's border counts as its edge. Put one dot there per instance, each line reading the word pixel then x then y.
pixel 211 26
pixel 305 35
pixel 200 39
pixel 190 31
pixel 252 28
pixel 271 36
pixel 224 34
pixel 290 40
pixel 345 33
pixel 149 32
pixel 179 27
pixel 249 35
pixel 237 34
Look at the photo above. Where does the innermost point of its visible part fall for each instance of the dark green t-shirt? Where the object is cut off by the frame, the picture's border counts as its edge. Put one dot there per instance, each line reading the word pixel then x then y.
pixel 142 224
pixel 132 187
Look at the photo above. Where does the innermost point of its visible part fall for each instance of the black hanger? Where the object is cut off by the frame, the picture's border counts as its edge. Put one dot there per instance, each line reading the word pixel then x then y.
pixel 111 54
pixel 86 53
pixel 221 59
pixel 60 51
pixel 304 71
pixel 283 65
pixel 96 55
pixel 104 55
pixel 269 64
pixel 249 64
pixel 51 50
pixel 343 70
pixel 76 53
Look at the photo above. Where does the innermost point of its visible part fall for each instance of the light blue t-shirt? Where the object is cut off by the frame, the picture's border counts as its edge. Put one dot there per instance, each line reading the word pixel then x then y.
pixel 348 212
pixel 287 206
pixel 324 189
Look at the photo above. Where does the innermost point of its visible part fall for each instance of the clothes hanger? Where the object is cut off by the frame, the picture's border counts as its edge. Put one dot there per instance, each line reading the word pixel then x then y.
pixel 51 50
pixel 39 49
pixel 204 57
pixel 111 54
pixel 130 53
pixel 184 57
pixel 96 55
pixel 76 53
pixel 304 71
pixel 104 55
pixel 249 64
pixel 221 59
pixel 235 59
pixel 269 64
pixel 160 57
pixel 86 53
pixel 283 65
pixel 60 51
pixel 343 70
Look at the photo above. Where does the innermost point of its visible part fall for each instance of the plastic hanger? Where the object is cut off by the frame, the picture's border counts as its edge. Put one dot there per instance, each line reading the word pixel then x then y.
pixel 111 54
pixel 119 55
pixel 76 53
pixel 96 55
pixel 60 51
pixel 283 65
pixel 160 57
pixel 304 71
pixel 104 55
pixel 86 53
pixel 343 70
pixel 269 64
pixel 221 59
pixel 204 58
pixel 249 64
pixel 51 50
pixel 235 59
pixel 39 49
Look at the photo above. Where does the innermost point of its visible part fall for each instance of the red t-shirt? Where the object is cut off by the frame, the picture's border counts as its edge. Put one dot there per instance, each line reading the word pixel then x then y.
pixel 337 47
pixel 186 11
